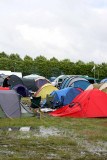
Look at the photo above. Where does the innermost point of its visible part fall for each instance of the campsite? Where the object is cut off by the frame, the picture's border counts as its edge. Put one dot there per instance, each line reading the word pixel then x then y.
pixel 63 119
pixel 53 80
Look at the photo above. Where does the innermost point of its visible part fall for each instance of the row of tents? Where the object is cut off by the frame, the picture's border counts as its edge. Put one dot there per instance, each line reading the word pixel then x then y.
pixel 10 97
pixel 58 95
pixel 64 81
pixel 77 97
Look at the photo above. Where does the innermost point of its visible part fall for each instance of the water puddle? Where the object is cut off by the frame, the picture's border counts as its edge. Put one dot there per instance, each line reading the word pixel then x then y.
pixel 44 132
pixel 38 131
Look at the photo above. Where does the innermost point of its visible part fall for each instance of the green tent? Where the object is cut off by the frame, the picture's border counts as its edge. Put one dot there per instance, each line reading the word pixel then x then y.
pixel 91 79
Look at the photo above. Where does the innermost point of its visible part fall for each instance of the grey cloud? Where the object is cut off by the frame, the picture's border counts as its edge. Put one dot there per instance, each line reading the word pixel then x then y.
pixel 82 25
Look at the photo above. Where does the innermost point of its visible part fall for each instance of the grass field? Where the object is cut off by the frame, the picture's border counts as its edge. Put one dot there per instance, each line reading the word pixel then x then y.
pixel 53 138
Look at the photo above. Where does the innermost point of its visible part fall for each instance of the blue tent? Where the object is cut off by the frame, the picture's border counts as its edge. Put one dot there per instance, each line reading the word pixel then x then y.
pixel 64 96
pixel 103 80
pixel 79 82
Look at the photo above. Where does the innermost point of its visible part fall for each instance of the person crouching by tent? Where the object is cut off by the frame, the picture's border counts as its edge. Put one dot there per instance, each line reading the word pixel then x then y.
pixel 6 82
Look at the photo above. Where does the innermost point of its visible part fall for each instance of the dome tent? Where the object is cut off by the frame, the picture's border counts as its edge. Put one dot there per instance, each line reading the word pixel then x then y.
pixel 64 96
pixel 90 103
pixel 44 90
pixel 11 107
pixel 22 90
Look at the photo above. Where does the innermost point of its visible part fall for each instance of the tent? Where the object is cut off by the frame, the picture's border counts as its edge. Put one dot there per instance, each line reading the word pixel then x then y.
pixel 91 79
pixel 33 76
pixel 58 81
pixel 22 90
pixel 29 83
pixel 41 81
pixel 66 81
pixel 10 105
pixel 100 86
pixel 44 90
pixel 103 87
pixel 103 80
pixel 93 86
pixel 77 82
pixel 4 88
pixel 90 103
pixel 64 96
pixel 51 79
pixel 1 81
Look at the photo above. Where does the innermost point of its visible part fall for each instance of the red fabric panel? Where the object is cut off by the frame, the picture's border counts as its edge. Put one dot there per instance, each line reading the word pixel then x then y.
pixel 4 88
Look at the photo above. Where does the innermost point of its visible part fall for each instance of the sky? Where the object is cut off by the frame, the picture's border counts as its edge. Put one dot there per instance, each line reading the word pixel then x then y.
pixel 64 29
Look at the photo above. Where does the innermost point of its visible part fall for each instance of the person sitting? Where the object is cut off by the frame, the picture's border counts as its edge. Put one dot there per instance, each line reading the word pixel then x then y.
pixel 6 82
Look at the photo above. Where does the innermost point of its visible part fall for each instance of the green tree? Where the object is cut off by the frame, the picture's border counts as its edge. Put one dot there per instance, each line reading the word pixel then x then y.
pixel 15 57
pixel 3 55
pixel 28 58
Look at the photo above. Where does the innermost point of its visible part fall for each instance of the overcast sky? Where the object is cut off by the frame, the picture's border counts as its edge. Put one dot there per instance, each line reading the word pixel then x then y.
pixel 72 29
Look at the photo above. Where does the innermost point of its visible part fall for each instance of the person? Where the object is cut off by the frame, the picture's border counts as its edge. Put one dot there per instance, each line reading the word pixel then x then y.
pixel 6 82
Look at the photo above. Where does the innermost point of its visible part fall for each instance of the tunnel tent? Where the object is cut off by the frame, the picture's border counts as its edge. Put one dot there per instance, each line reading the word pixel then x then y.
pixel 67 81
pixel 29 83
pixel 79 82
pixel 58 81
pixel 64 83
pixel 103 80
pixel 91 79
pixel 14 80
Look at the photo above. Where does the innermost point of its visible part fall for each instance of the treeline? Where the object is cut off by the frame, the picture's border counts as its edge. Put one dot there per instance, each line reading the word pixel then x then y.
pixel 50 68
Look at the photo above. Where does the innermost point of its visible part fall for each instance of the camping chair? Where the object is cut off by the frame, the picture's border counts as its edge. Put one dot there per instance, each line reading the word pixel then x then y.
pixel 35 102
pixel 49 101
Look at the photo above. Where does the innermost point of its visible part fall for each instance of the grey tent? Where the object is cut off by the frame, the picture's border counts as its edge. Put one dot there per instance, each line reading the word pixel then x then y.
pixel 11 107
pixel 9 104
pixel 1 81
pixel 29 83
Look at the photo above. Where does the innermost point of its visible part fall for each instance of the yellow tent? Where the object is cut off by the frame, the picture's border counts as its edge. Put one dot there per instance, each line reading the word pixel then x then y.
pixel 44 90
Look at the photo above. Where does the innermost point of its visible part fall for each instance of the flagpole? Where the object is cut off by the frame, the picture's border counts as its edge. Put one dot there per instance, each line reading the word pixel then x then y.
pixel 94 71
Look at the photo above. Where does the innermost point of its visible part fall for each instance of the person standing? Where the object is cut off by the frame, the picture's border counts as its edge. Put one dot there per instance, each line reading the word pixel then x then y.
pixel 6 82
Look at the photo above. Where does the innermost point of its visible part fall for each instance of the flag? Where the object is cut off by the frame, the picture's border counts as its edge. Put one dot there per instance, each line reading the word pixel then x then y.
pixel 93 68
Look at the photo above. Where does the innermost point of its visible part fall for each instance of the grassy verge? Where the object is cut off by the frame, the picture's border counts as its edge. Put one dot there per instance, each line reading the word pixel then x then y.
pixel 64 139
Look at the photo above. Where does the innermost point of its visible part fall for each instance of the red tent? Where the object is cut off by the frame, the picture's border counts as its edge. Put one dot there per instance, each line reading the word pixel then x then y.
pixel 90 103
pixel 4 88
